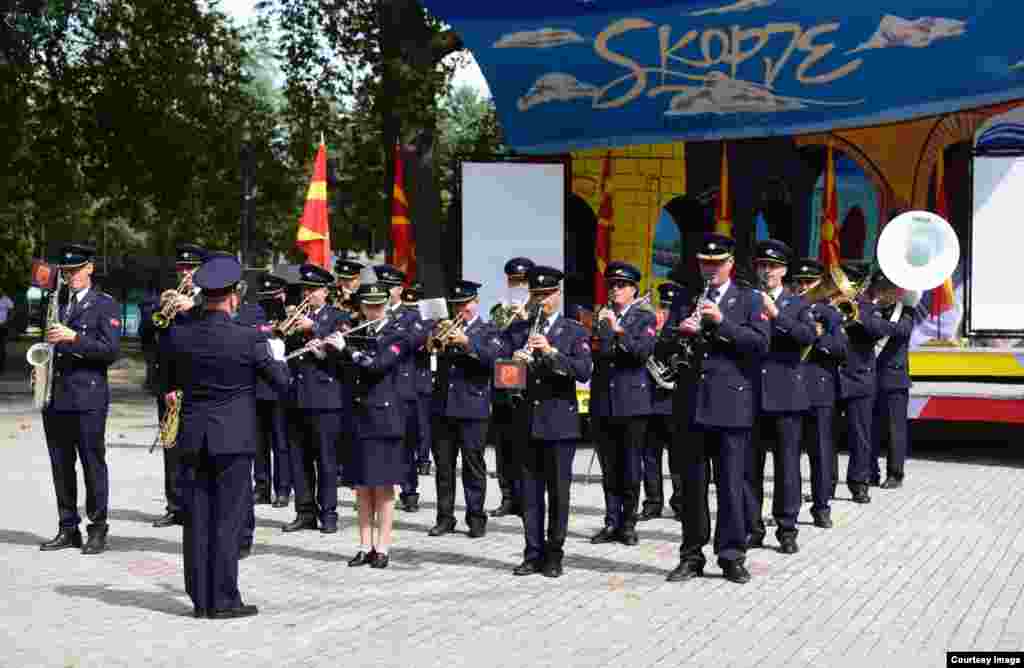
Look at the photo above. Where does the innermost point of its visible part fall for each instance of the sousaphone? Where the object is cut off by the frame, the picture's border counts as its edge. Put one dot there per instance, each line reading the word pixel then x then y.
pixel 918 250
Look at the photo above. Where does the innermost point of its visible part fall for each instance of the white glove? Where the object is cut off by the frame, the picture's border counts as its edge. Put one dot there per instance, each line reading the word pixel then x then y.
pixel 276 349
pixel 336 341
pixel 318 349
pixel 911 298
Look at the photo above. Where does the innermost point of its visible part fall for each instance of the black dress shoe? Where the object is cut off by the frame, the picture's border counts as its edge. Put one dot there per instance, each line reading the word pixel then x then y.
pixel 423 468
pixel 755 541
pixel 605 535
pixel 735 571
pixel 892 483
pixel 168 520
pixel 329 526
pixel 97 541
pixel 281 501
pixel 628 536
pixel 822 520
pixel 66 537
pixel 410 503
pixel 788 546
pixel 477 531
pixel 441 528
pixel 528 567
pixel 200 613
pixel 244 551
pixel 553 568
pixel 362 558
pixel 261 498
pixel 686 570
pixel 875 482
pixel 299 524
pixel 235 613
pixel 649 514
pixel 506 508
pixel 861 496
pixel 379 560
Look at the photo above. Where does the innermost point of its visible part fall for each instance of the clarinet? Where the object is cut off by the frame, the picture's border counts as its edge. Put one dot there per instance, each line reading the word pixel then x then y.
pixel 688 354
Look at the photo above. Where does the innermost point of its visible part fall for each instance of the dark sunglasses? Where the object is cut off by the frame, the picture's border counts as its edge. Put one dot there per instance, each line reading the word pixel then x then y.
pixel 618 285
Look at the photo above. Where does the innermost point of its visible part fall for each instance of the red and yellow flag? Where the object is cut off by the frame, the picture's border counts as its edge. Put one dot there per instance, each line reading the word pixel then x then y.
pixel 723 207
pixel 314 235
pixel 828 248
pixel 402 242
pixel 603 238
pixel 942 296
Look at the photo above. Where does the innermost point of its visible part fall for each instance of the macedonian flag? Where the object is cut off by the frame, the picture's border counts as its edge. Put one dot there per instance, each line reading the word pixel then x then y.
pixel 723 208
pixel 828 248
pixel 942 296
pixel 603 246
pixel 314 235
pixel 402 241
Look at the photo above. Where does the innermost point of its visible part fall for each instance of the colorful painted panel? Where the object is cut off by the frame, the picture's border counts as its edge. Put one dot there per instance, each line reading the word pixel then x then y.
pixel 858 211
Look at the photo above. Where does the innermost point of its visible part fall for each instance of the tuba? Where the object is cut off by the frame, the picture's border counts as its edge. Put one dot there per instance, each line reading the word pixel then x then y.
pixel 167 437
pixel 918 251
pixel 839 291
pixel 40 355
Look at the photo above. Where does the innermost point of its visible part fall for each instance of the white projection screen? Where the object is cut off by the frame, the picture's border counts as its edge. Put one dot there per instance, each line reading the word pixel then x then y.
pixel 510 209
pixel 997 234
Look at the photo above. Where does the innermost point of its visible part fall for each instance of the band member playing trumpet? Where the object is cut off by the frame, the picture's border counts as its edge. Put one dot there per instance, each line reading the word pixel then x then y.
pixel 377 460
pixel 893 372
pixel 715 408
pixel 462 406
pixel 214 362
pixel 414 388
pixel 182 307
pixel 620 399
pixel 86 341
pixel 821 373
pixel 660 429
pixel 558 354
pixel 857 384
pixel 346 272
pixel 506 427
pixel 783 399
pixel 320 405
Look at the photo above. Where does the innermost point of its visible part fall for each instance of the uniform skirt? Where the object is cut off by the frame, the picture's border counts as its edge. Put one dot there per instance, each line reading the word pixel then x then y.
pixel 376 463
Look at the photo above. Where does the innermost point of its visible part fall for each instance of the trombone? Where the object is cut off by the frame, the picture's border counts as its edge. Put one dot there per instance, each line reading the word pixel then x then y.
pixel 163 318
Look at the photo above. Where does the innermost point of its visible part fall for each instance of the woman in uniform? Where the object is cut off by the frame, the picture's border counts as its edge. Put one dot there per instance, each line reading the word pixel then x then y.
pixel 377 461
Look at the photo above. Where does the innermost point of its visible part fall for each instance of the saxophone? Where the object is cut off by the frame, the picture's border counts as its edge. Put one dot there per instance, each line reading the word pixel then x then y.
pixel 167 437
pixel 40 355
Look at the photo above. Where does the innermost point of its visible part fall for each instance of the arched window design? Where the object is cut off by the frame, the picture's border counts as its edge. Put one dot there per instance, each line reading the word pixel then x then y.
pixel 580 259
pixel 680 228
pixel 858 201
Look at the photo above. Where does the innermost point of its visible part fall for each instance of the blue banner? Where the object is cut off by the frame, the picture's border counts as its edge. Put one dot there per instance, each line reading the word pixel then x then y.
pixel 570 74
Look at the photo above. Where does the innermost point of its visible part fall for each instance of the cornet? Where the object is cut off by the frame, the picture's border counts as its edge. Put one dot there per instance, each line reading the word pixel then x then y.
pixel 165 316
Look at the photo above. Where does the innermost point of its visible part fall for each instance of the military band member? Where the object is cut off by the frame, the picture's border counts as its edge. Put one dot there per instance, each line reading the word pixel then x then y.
pixel 715 406
pixel 414 386
pixel 821 373
pixel 783 399
pixel 346 273
pixel 378 459
pixel 558 355
pixel 507 428
pixel 660 430
pixel 214 362
pixel 272 471
pixel 462 407
pixel 321 402
pixel 893 373
pixel 86 342
pixel 620 399
pixel 188 257
pixel 857 385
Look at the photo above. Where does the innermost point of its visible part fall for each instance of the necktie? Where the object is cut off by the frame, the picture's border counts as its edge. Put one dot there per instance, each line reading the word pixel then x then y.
pixel 713 295
pixel 543 329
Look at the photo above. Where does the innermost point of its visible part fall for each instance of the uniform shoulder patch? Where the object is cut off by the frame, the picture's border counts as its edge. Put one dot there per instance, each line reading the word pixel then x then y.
pixel 115 323
pixel 396 349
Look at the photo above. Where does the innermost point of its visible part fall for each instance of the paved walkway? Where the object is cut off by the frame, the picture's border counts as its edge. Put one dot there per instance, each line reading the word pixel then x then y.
pixel 935 566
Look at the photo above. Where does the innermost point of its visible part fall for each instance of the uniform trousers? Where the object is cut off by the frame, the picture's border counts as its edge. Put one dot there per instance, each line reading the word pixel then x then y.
pixel 858 438
pixel 780 433
pixel 423 424
pixel 728 451
pixel 82 436
pixel 547 467
pixel 453 436
pixel 621 441
pixel 411 485
pixel 819 440
pixel 659 438
pixel 510 433
pixel 172 467
pixel 314 463
pixel 890 425
pixel 218 492
pixel 273 433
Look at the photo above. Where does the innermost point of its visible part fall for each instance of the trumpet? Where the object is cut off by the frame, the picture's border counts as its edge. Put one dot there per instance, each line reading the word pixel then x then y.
pixel 167 437
pixel 287 327
pixel 165 316
pixel 443 331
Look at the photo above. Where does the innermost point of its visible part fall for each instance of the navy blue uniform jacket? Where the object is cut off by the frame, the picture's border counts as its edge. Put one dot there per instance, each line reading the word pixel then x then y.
pixel 782 375
pixel 316 383
pixel 829 350
pixel 462 388
pixel 857 373
pixel 621 386
pixel 893 360
pixel 80 368
pixel 377 408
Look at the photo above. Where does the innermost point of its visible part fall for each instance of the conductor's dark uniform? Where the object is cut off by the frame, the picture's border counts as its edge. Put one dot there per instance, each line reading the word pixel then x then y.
pixel 462 407
pixel 893 393
pixel 190 256
pixel 716 405
pixel 75 421
pixel 551 414
pixel 215 363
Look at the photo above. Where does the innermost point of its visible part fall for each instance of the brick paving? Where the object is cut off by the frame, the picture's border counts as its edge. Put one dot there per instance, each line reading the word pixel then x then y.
pixel 934 566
